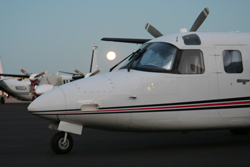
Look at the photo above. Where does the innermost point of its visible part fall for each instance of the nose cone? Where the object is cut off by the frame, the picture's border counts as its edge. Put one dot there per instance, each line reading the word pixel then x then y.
pixel 52 100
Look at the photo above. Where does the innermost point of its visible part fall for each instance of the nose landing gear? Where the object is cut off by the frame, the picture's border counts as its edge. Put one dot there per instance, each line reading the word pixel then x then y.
pixel 61 143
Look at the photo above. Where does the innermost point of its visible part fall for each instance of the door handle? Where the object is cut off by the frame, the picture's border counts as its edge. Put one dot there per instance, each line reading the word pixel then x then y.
pixel 243 81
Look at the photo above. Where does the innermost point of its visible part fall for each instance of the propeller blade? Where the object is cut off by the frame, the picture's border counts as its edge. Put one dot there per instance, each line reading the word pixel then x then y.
pixel 42 73
pixel 200 19
pixel 96 72
pixel 78 72
pixel 23 71
pixel 153 31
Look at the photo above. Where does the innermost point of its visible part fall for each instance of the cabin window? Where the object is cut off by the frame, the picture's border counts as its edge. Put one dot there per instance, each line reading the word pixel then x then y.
pixel 232 61
pixel 191 39
pixel 191 62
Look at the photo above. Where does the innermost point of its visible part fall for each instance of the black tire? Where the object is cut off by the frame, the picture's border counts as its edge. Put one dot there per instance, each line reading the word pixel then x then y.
pixel 57 145
pixel 2 100
pixel 240 131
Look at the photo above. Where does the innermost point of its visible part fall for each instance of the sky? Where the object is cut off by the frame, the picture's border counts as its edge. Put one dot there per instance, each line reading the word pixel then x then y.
pixel 53 35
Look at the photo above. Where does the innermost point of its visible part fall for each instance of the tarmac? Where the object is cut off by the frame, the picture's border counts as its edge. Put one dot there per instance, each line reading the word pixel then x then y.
pixel 25 141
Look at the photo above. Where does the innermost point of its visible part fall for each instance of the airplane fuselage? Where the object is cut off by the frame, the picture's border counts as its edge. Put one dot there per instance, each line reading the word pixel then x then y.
pixel 204 86
pixel 17 89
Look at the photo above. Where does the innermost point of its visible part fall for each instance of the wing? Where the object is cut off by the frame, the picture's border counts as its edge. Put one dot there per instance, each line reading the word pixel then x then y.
pixel 126 40
pixel 15 75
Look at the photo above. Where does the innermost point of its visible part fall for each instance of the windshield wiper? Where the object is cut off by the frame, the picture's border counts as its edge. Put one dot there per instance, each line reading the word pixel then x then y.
pixel 135 58
pixel 124 59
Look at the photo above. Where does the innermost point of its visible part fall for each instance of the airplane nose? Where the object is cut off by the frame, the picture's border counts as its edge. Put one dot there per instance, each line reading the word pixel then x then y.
pixel 52 100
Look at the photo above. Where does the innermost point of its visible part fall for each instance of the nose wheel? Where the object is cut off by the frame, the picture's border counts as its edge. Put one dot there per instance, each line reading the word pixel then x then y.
pixel 61 143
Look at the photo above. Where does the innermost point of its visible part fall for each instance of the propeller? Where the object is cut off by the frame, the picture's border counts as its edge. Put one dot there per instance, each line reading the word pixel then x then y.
pixel 94 73
pixel 32 77
pixel 200 19
pixel 87 75
pixel 152 30
pixel 40 74
pixel 78 72
pixel 23 71
pixel 33 80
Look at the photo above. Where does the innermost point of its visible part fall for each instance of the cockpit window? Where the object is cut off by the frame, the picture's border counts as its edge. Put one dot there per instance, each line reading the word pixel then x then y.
pixel 133 55
pixel 158 55
pixel 154 57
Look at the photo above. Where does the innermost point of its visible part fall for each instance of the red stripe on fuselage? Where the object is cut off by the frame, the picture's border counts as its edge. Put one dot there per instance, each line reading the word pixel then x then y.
pixel 166 107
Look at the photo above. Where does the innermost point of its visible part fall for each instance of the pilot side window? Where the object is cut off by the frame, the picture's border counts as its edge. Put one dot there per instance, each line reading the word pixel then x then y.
pixel 191 62
pixel 232 61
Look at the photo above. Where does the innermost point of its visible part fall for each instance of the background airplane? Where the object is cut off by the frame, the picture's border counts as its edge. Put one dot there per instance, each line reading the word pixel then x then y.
pixel 37 84
pixel 49 82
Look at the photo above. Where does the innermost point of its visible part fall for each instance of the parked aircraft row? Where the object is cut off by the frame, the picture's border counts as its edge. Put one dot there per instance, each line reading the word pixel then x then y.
pixel 38 84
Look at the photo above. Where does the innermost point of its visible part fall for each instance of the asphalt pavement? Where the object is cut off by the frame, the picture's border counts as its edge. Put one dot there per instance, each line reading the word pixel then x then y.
pixel 25 141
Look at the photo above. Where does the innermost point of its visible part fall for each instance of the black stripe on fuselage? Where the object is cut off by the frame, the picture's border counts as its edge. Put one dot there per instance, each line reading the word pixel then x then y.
pixel 183 103
pixel 136 109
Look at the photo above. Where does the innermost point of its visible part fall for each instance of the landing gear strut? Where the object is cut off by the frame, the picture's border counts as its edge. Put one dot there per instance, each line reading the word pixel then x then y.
pixel 61 143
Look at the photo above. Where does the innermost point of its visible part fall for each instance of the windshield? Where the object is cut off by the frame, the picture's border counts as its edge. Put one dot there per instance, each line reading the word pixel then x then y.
pixel 133 55
pixel 154 57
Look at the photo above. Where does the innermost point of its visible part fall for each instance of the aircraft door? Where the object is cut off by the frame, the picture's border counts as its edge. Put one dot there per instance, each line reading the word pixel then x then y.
pixel 233 81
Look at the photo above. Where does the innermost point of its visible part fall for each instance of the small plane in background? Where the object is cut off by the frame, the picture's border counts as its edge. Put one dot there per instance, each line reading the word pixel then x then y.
pixel 49 82
pixel 180 82
pixel 3 96
pixel 37 84
pixel 20 88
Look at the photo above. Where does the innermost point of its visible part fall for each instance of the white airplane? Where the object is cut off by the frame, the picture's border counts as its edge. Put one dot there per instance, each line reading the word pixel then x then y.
pixel 41 83
pixel 16 88
pixel 20 89
pixel 180 82
pixel 49 82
